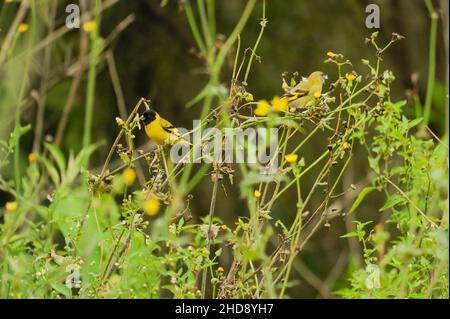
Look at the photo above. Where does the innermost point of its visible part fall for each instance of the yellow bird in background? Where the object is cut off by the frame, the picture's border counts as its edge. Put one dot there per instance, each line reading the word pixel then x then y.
pixel 160 130
pixel 303 94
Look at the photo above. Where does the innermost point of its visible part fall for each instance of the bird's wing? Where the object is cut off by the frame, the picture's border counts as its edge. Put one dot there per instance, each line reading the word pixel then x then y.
pixel 293 95
pixel 168 127
pixel 301 89
pixel 316 88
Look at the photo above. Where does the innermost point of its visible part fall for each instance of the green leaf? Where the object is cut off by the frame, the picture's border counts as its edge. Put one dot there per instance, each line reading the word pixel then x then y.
pixel 125 158
pixel 374 164
pixel 61 288
pixel 52 171
pixel 360 198
pixel 413 123
pixel 360 226
pixel 255 178
pixel 58 156
pixel 85 153
pixel 181 223
pixel 350 235
pixel 395 199
pixel 397 170
pixel 17 133
pixel 200 96
pixel 289 123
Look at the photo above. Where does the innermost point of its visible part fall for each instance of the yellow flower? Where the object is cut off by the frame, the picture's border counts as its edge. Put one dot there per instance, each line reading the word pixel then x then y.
pixel 291 158
pixel 331 54
pixel 279 105
pixel 129 175
pixel 350 77
pixel 317 95
pixel 224 227
pixel 23 27
pixel 89 26
pixel 120 122
pixel 346 145
pixel 378 228
pixel 257 193
pixel 220 269
pixel 32 157
pixel 152 206
pixel 249 97
pixel 11 206
pixel 262 108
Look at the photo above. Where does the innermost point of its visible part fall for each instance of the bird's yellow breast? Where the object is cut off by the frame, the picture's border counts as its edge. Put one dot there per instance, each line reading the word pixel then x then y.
pixel 156 132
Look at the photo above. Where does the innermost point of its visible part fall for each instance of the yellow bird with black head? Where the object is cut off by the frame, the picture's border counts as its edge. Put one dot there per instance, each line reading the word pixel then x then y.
pixel 160 130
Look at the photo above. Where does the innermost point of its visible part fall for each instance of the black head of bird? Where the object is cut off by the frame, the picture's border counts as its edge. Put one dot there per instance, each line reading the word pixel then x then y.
pixel 148 116
pixel 318 76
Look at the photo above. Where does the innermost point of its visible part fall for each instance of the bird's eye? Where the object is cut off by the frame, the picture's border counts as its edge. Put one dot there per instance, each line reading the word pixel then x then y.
pixel 148 116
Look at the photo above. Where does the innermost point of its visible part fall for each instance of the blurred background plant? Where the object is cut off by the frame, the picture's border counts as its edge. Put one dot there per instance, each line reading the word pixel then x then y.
pixel 97 213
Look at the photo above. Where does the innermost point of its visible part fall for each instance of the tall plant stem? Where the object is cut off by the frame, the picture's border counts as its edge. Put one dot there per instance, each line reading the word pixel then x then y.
pixel 90 95
pixel 212 207
pixel 431 62
pixel 261 32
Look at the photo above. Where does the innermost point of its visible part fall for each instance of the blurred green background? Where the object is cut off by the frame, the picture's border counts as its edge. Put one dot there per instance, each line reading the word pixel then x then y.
pixel 156 59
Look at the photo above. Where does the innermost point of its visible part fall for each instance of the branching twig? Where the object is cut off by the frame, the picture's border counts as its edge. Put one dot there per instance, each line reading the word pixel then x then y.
pixel 410 201
pixel 209 235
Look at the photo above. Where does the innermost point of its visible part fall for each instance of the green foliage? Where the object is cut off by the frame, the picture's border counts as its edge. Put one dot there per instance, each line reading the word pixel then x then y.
pixel 134 226
pixel 410 171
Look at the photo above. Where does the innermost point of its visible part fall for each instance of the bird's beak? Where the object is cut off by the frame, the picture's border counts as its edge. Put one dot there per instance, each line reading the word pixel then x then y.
pixel 141 118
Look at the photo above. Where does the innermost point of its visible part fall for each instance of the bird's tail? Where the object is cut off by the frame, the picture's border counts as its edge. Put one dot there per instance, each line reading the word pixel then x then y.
pixel 184 142
pixel 179 140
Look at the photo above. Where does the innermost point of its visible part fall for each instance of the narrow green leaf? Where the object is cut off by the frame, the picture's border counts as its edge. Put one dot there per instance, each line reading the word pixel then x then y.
pixel 360 198
pixel 17 133
pixel 413 123
pixel 395 199
pixel 58 156
pixel 350 235
pixel 85 153
pixel 52 171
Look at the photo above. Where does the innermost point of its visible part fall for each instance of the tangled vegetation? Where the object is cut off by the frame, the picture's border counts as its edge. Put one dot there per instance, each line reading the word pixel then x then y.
pixel 126 229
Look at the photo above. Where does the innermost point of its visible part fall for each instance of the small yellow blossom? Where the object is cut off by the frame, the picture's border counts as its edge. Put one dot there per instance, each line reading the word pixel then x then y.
pixel 152 206
pixel 90 26
pixel 262 108
pixel 378 228
pixel 220 269
pixel 346 145
pixel 11 206
pixel 317 95
pixel 32 157
pixel 249 97
pixel 129 175
pixel 279 105
pixel 224 227
pixel 120 122
pixel 331 54
pixel 350 77
pixel 257 193
pixel 23 27
pixel 291 158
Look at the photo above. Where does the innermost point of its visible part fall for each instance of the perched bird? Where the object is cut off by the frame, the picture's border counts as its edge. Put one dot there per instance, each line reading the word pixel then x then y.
pixel 160 130
pixel 304 93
